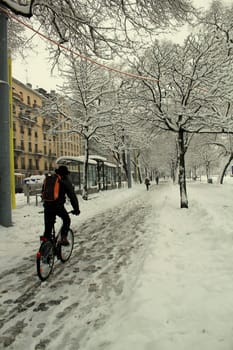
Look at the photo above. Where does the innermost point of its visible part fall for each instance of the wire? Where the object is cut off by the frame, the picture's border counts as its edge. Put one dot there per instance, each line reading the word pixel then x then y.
pixel 131 75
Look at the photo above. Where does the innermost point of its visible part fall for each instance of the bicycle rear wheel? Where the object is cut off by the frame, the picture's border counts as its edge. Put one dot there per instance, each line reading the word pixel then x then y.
pixel 66 251
pixel 45 260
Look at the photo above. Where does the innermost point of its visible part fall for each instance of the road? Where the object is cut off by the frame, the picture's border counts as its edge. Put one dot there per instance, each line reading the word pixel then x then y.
pixel 62 312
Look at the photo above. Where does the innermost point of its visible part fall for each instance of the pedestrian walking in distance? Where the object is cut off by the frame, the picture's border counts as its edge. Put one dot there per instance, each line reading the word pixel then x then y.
pixel 147 183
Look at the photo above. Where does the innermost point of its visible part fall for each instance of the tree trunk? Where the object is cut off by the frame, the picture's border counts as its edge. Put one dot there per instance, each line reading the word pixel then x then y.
pixel 99 165
pixel 225 168
pixel 181 175
pixel 194 173
pixel 85 171
pixel 174 167
pixel 119 175
pixel 139 175
pixel 137 172
pixel 116 156
pixel 207 169
pixel 124 164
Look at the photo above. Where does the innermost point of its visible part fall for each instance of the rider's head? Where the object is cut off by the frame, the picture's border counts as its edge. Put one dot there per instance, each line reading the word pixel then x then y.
pixel 62 170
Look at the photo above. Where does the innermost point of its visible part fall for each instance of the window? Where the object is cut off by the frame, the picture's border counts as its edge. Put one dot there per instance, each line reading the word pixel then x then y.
pixel 29 132
pixel 36 148
pixel 29 146
pixel 22 163
pixel 22 145
pixel 30 163
pixel 29 100
pixel 36 134
pixel 92 175
pixel 21 96
pixel 21 129
pixel 37 164
pixel 15 163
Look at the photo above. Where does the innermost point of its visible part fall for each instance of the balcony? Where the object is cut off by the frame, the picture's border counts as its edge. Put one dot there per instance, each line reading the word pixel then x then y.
pixel 39 153
pixel 51 155
pixel 16 95
pixel 18 149
pixel 26 117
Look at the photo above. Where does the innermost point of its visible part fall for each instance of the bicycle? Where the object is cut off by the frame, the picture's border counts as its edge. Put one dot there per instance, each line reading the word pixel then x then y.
pixel 51 248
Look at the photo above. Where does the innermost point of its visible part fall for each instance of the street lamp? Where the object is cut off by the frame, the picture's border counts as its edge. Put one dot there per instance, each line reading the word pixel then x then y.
pixel 24 8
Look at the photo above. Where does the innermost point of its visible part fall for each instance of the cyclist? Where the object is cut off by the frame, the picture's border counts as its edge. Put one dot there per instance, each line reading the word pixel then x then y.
pixel 57 207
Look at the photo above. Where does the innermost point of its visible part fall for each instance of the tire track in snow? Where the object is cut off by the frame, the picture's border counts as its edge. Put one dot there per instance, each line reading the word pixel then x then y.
pixel 104 247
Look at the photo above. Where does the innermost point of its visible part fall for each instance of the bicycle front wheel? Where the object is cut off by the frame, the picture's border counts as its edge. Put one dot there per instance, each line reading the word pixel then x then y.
pixel 45 260
pixel 66 251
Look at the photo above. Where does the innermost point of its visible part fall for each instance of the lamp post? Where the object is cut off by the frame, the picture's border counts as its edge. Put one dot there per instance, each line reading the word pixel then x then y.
pixel 24 8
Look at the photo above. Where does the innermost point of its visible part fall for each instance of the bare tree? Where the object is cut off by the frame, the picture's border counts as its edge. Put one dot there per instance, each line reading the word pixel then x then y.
pixel 125 136
pixel 188 93
pixel 204 155
pixel 222 148
pixel 103 25
pixel 227 150
pixel 17 39
pixel 90 107
pixel 218 21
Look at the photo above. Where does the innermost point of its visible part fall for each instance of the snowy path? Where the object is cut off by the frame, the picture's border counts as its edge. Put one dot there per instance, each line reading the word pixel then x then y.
pixel 183 298
pixel 144 275
pixel 78 293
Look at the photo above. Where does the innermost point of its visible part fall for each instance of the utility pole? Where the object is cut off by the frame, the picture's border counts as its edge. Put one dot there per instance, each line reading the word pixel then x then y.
pixel 5 187
pixel 24 9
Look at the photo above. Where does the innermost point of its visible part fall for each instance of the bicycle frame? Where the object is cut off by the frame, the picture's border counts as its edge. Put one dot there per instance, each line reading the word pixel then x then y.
pixel 51 248
pixel 53 236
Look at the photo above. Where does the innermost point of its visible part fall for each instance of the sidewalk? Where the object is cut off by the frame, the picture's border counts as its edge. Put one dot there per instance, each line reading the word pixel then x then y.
pixel 183 296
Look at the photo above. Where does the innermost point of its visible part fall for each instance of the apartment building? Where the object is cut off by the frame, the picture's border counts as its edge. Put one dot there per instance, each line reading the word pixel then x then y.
pixel 35 147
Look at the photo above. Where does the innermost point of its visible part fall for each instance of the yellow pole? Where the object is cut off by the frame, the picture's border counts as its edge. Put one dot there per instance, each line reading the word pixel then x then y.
pixel 12 168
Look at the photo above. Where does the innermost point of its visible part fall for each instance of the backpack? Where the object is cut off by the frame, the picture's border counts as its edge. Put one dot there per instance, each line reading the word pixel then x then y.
pixel 51 187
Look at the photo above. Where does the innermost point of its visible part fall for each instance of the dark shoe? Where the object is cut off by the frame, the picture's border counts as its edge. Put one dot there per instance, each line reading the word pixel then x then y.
pixel 64 241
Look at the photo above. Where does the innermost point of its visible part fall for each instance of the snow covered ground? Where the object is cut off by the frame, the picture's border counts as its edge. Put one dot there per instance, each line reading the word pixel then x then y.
pixel 144 274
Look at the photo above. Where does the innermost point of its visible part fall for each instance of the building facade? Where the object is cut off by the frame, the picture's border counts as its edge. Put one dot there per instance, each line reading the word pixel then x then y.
pixel 35 147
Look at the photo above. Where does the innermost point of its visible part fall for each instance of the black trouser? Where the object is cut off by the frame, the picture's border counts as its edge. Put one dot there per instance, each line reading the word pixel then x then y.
pixel 50 213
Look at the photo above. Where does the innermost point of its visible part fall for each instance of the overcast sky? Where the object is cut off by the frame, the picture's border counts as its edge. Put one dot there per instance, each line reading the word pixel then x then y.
pixel 36 69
